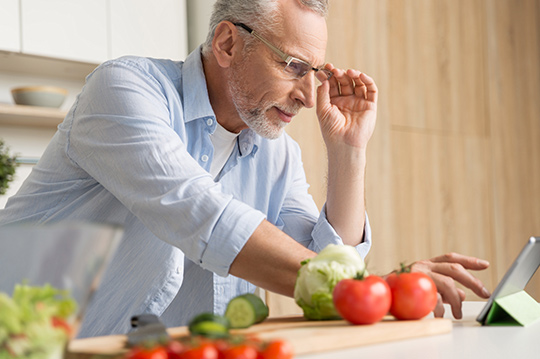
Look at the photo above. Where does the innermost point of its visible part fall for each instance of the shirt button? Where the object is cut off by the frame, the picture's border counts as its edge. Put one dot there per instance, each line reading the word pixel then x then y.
pixel 209 122
pixel 204 158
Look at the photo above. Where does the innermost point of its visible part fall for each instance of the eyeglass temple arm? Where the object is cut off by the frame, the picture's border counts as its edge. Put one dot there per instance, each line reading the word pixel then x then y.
pixel 281 54
pixel 284 56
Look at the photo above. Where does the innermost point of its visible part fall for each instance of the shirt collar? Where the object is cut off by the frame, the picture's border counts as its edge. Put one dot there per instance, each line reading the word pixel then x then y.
pixel 248 142
pixel 196 101
pixel 197 104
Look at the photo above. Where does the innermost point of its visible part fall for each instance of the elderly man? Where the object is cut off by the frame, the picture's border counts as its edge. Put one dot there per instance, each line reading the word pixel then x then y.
pixel 190 157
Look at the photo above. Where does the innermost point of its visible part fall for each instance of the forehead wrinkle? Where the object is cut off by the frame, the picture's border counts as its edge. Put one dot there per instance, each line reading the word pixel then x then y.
pixel 307 56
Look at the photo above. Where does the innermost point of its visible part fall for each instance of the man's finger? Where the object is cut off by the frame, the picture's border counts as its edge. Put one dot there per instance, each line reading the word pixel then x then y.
pixel 334 85
pixel 438 312
pixel 371 88
pixel 449 293
pixel 359 86
pixel 466 261
pixel 346 85
pixel 323 99
pixel 461 293
pixel 457 272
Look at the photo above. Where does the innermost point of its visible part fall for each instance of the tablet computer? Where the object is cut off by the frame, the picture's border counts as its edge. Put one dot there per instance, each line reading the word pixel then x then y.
pixel 517 276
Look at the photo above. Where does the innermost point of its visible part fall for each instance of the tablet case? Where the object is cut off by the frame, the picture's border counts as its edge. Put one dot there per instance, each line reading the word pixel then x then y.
pixel 514 309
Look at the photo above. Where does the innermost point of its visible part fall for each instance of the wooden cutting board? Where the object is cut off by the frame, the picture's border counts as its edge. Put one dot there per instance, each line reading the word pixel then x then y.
pixel 306 336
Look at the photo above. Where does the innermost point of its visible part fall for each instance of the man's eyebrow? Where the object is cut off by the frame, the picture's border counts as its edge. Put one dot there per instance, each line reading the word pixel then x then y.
pixel 308 62
pixel 301 58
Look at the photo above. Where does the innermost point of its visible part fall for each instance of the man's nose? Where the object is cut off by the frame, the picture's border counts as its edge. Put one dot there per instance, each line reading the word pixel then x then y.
pixel 305 91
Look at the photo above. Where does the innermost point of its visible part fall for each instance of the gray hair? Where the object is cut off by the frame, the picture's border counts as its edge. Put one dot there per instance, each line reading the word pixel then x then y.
pixel 259 14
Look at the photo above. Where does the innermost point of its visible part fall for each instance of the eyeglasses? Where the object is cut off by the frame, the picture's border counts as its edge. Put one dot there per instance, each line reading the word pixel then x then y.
pixel 295 67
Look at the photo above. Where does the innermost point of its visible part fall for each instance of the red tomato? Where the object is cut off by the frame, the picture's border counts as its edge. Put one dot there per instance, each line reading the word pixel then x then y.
pixel 202 351
pixel 62 324
pixel 175 349
pixel 156 352
pixel 277 349
pixel 362 301
pixel 414 295
pixel 240 351
pixel 221 345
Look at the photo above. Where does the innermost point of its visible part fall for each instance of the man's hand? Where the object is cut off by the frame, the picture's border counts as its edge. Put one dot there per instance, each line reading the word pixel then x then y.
pixel 347 112
pixel 445 270
pixel 347 108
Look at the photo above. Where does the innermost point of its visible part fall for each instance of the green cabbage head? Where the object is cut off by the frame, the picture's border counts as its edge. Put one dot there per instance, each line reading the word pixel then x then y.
pixel 319 275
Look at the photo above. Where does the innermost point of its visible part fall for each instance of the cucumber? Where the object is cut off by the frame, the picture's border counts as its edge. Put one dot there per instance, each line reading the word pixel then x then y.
pixel 210 325
pixel 246 310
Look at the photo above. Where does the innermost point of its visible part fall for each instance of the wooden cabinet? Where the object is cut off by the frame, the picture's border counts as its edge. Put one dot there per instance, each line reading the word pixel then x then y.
pixel 148 28
pixel 10 38
pixel 68 29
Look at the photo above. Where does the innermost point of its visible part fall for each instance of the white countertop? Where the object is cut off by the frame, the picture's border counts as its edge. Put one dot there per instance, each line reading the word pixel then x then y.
pixel 468 339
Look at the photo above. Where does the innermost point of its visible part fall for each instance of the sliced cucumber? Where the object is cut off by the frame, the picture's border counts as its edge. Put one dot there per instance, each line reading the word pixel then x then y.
pixel 245 310
pixel 210 325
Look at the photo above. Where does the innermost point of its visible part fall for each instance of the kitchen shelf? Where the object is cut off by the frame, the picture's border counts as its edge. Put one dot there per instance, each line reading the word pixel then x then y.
pixel 15 62
pixel 30 116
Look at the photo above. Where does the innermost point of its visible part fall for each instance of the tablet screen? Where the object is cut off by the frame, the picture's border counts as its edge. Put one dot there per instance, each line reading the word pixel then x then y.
pixel 517 276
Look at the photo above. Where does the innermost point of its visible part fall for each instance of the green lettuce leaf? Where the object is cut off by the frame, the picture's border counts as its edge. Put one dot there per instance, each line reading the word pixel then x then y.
pixel 319 275
pixel 26 329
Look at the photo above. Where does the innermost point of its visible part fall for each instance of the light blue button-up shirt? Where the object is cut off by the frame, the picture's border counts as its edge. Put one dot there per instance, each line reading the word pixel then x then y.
pixel 135 149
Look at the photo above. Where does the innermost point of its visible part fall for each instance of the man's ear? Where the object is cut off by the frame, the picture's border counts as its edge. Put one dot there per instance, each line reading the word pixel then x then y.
pixel 226 43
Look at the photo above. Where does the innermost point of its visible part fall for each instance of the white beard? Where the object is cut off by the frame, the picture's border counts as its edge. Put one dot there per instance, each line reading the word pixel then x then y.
pixel 254 114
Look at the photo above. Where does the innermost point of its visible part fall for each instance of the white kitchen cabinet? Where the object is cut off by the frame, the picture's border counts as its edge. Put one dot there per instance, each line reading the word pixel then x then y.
pixel 10 37
pixel 149 28
pixel 69 29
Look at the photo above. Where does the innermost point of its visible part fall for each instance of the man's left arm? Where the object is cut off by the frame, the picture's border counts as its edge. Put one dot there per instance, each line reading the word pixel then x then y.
pixel 347 107
pixel 347 112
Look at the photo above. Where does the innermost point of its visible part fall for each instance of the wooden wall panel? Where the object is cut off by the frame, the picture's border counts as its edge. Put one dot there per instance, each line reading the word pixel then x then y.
pixel 454 163
pixel 438 136
pixel 513 58
pixel 436 65
pixel 440 199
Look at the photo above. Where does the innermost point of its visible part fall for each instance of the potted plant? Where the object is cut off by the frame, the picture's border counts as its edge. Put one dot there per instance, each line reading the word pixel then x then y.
pixel 7 167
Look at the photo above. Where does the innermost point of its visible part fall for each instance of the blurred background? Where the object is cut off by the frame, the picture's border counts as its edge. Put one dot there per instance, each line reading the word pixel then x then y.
pixel 454 164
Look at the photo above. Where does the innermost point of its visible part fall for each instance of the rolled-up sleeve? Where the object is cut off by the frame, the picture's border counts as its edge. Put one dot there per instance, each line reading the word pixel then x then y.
pixel 121 135
pixel 324 234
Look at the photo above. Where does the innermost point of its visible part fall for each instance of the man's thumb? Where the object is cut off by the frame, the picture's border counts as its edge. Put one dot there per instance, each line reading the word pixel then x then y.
pixel 323 97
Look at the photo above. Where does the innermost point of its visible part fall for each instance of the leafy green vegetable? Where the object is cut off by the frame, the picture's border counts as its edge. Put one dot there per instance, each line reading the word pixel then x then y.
pixel 319 275
pixel 7 167
pixel 26 321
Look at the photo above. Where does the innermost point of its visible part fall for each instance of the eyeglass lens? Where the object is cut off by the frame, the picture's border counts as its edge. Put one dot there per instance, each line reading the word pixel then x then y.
pixel 300 69
pixel 297 68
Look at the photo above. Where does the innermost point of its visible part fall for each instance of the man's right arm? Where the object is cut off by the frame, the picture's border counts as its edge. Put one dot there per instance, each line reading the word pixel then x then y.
pixel 270 259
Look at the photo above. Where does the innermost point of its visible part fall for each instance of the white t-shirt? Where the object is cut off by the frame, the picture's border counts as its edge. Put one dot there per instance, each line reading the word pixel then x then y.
pixel 223 142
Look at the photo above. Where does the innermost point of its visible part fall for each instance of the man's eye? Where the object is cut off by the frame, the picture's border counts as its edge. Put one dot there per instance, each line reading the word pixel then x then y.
pixel 297 68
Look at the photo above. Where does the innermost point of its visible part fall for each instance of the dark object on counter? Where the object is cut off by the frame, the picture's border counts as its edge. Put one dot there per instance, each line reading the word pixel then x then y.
pixel 148 328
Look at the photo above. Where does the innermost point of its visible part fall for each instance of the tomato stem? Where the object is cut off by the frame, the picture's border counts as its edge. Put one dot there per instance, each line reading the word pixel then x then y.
pixel 404 268
pixel 360 275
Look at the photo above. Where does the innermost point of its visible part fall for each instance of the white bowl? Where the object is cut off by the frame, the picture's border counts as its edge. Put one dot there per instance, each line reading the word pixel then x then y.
pixel 46 96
